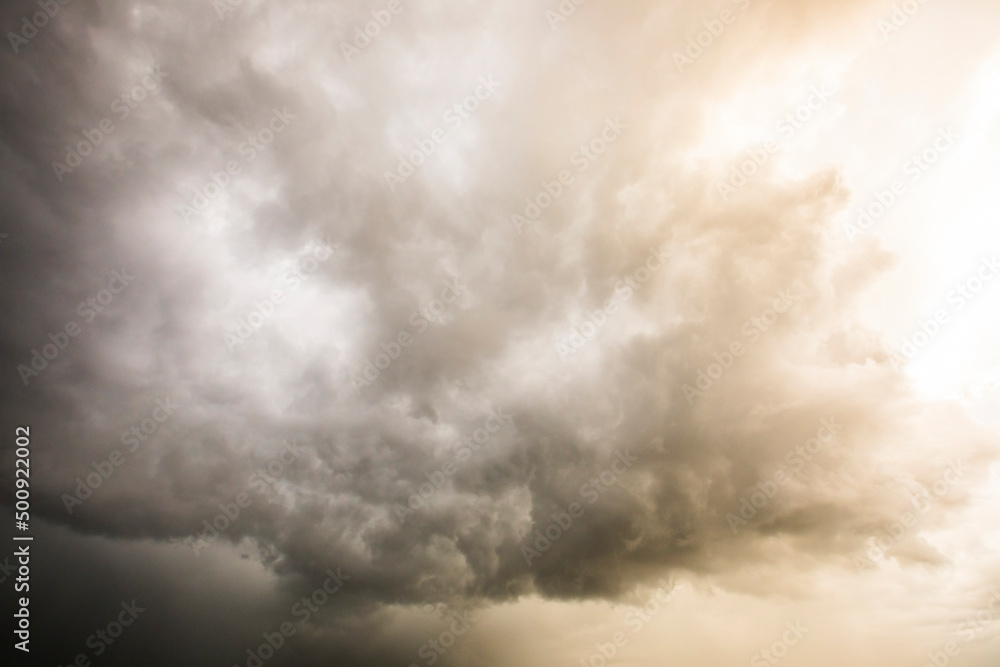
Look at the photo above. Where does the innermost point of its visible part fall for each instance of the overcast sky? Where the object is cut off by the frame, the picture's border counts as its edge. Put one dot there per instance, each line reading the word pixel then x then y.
pixel 528 330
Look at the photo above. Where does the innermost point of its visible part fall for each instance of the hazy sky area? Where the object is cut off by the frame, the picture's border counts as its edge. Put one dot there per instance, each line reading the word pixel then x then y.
pixel 502 334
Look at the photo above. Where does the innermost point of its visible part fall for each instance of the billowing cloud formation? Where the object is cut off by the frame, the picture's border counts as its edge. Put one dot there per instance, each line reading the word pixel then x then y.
pixel 458 306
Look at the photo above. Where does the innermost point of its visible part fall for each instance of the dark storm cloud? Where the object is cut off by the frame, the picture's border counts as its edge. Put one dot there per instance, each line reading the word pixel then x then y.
pixel 368 447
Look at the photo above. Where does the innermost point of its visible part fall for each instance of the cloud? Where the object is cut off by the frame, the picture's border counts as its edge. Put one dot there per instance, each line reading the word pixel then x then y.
pixel 368 447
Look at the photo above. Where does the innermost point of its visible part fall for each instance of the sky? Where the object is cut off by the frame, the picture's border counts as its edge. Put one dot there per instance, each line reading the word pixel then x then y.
pixel 487 334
